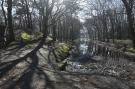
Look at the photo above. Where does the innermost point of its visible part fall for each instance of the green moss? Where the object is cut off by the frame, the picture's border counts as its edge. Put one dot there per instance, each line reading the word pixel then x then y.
pixel 25 36
pixel 28 46
pixel 131 50
pixel 62 51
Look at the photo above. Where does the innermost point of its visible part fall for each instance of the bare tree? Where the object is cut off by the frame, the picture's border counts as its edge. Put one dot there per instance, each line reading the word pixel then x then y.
pixel 129 9
pixel 4 13
pixel 9 16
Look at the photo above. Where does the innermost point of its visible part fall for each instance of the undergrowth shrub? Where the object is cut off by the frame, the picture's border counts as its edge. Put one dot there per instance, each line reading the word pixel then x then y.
pixel 62 51
pixel 25 37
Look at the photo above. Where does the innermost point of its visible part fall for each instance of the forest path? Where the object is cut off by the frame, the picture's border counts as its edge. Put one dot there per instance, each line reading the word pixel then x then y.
pixel 34 72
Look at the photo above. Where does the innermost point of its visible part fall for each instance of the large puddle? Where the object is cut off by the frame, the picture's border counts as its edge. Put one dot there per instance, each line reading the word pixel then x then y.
pixel 90 58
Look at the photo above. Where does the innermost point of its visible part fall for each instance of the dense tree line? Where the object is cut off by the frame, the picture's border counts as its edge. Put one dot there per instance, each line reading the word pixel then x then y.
pixel 111 19
pixel 56 17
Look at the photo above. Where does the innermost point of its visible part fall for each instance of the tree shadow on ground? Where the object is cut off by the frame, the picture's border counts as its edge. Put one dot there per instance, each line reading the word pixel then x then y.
pixel 42 55
pixel 15 47
pixel 11 51
pixel 110 83
pixel 7 66
pixel 26 78
pixel 25 81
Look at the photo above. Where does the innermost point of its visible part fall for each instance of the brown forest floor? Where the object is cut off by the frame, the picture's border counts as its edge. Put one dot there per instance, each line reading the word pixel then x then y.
pixel 34 72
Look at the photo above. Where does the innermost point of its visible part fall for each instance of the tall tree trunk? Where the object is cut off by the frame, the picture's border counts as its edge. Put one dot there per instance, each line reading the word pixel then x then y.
pixel 112 28
pixel 54 32
pixel 10 27
pixel 28 15
pixel 129 9
pixel 131 27
pixel 45 19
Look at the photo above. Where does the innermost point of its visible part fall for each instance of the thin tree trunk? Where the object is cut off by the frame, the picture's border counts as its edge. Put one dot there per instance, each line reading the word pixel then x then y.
pixel 4 13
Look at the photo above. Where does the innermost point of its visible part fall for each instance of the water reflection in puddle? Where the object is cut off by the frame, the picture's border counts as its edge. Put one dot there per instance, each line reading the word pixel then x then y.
pixel 83 48
pixel 94 58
